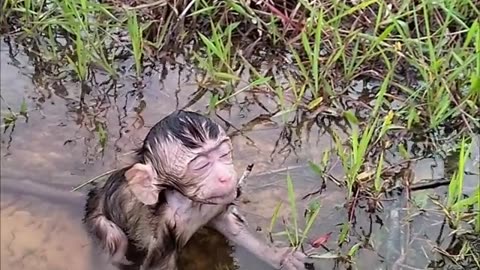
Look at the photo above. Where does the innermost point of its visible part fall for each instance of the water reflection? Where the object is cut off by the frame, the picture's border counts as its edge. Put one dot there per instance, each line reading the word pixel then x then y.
pixel 78 131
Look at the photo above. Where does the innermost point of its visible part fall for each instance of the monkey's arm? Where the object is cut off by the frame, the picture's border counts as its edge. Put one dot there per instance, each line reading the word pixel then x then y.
pixel 233 227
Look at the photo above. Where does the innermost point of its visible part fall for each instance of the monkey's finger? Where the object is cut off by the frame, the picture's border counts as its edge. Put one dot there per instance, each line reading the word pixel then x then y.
pixel 294 265
pixel 302 261
pixel 288 266
pixel 299 264
pixel 300 256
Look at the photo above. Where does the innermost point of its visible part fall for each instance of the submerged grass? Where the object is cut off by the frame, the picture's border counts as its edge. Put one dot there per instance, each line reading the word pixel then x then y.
pixel 292 230
pixel 10 116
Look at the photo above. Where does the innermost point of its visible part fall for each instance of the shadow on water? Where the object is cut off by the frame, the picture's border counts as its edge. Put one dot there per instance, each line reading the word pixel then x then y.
pixel 74 133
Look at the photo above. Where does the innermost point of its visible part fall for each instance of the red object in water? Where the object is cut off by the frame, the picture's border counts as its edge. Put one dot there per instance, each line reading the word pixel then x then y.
pixel 321 240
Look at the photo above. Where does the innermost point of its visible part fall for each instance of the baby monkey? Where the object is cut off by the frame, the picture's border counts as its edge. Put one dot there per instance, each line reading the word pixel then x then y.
pixel 182 178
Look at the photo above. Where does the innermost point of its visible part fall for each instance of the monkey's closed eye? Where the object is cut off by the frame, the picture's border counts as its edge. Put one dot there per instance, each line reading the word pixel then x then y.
pixel 227 155
pixel 203 166
pixel 201 163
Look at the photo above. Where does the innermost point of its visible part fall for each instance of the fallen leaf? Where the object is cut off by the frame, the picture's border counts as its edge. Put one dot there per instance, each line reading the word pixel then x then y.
pixel 321 240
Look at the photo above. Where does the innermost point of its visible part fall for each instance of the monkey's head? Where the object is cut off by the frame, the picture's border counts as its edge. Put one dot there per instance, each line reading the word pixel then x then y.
pixel 187 152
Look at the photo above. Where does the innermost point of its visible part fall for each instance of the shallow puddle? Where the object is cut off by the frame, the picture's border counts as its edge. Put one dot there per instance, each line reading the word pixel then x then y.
pixel 45 157
pixel 58 149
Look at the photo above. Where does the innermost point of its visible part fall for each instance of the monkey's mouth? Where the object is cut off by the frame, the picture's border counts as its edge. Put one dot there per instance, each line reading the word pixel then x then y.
pixel 222 199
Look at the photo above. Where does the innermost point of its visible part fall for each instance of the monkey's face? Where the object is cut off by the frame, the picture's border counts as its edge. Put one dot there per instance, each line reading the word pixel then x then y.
pixel 211 173
pixel 189 153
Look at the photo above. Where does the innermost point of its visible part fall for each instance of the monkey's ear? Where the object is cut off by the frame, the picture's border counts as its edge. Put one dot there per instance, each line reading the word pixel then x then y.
pixel 141 179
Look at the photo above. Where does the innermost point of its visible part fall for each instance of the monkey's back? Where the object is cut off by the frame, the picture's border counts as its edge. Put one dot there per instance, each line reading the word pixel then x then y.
pixel 142 224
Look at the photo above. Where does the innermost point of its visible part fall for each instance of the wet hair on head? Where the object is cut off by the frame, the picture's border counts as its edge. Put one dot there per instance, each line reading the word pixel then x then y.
pixel 190 128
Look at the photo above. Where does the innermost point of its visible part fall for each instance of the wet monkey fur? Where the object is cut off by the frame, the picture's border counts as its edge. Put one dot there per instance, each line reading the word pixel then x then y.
pixel 182 178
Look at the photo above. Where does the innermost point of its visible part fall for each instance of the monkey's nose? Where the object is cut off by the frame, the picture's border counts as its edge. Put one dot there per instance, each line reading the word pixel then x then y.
pixel 225 179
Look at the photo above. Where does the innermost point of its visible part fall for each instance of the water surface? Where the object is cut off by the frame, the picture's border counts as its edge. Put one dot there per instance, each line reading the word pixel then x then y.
pixel 59 148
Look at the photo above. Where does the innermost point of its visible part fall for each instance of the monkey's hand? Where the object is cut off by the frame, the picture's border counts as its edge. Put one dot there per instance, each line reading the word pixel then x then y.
pixel 232 225
pixel 289 259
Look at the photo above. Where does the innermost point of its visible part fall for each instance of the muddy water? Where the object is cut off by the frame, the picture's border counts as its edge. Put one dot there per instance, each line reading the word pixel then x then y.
pixel 44 157
pixel 58 148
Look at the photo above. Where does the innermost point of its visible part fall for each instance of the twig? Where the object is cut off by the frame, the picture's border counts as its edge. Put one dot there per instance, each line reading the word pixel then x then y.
pixel 241 181
pixel 245 174
pixel 182 15
pixel 320 190
pixel 421 186
pixel 148 5
pixel 281 170
pixel 185 10
pixel 463 113
pixel 432 184
pixel 408 177
pixel 92 180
